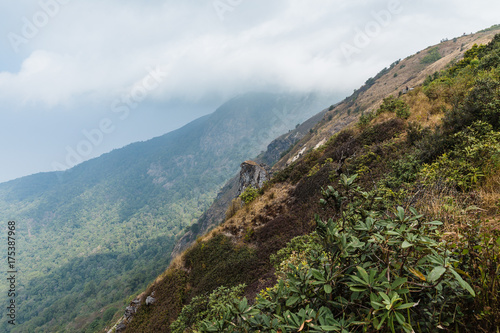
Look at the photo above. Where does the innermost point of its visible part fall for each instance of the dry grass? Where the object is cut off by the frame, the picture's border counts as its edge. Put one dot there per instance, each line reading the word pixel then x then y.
pixel 489 193
pixel 410 73
pixel 253 214
pixel 233 208
pixel 456 209
pixel 423 110
pixel 442 203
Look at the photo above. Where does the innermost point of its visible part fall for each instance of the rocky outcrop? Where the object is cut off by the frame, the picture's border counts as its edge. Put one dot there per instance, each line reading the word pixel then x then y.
pixel 252 174
pixel 150 300
pixel 130 312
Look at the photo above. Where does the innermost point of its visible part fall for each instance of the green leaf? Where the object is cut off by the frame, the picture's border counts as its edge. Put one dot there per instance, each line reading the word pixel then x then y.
pixel 400 213
pixel 436 273
pixel 243 304
pixel 406 244
pixel 462 283
pixel 382 319
pixel 434 223
pixel 328 288
pixel 292 300
pixel 385 297
pixel 399 281
pixel 317 275
pixel 400 318
pixel 405 306
pixel 363 273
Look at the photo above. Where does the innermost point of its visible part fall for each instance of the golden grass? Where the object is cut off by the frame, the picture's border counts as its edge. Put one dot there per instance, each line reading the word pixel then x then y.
pixel 423 110
pixel 442 203
pixel 245 218
pixel 489 193
pixel 456 209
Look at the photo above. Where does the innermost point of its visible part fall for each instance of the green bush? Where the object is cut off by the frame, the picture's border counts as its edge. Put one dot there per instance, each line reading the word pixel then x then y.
pixel 375 272
pixel 249 195
pixel 475 155
pixel 395 105
pixel 432 56
pixel 204 308
pixel 365 119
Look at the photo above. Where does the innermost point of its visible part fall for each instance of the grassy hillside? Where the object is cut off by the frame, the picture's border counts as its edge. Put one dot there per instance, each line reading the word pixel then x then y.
pixel 90 237
pixel 391 224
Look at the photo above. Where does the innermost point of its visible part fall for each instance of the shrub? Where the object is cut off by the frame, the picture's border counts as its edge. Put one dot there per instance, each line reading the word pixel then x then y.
pixel 204 307
pixel 395 105
pixel 482 103
pixel 415 132
pixel 432 56
pixel 249 195
pixel 475 155
pixel 365 119
pixel 403 113
pixel 375 271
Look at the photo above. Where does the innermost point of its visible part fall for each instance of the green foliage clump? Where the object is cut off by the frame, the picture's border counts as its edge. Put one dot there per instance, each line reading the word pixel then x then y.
pixel 374 272
pixel 205 308
pixel 365 119
pixel 297 251
pixel 432 56
pixel 415 132
pixel 404 170
pixel 479 251
pixel 205 264
pixel 395 105
pixel 476 154
pixel 481 103
pixel 249 195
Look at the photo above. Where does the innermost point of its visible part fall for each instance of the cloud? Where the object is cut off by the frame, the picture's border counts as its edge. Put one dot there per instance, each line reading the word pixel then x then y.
pixel 99 49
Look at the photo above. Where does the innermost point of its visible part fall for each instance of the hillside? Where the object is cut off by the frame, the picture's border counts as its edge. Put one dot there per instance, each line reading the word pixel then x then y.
pixel 385 217
pixel 401 74
pixel 93 235
pixel 216 213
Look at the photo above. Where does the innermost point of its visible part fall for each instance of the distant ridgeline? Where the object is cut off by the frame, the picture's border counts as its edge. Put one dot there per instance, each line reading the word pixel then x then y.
pixel 90 237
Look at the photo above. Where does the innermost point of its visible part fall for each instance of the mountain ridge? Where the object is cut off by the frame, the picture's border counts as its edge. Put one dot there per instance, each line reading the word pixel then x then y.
pixel 381 146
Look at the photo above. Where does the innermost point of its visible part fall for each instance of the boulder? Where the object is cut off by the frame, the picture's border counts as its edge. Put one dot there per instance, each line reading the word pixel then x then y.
pixel 150 300
pixel 252 174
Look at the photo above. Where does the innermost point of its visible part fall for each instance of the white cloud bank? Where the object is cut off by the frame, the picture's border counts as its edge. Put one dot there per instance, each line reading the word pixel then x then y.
pixel 98 48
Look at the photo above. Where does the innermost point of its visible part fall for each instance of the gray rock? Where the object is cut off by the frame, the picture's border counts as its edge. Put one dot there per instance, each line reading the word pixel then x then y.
pixel 120 327
pixel 130 311
pixel 150 300
pixel 252 174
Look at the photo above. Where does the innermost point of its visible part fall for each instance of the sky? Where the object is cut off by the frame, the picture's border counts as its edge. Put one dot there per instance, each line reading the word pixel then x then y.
pixel 80 78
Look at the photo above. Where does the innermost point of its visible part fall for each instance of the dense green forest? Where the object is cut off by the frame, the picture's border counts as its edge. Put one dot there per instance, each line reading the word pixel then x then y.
pixel 90 237
pixel 391 226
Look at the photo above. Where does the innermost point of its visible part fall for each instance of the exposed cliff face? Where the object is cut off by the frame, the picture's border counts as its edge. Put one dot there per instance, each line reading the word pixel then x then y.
pixel 252 174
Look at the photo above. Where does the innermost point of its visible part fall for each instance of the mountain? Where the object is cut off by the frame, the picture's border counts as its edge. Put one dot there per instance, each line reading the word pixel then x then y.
pixel 384 217
pixel 93 235
pixel 216 213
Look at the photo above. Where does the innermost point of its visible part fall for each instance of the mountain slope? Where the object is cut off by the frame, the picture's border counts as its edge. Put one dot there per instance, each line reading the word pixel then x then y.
pixel 95 234
pixel 216 213
pixel 434 148
pixel 400 75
